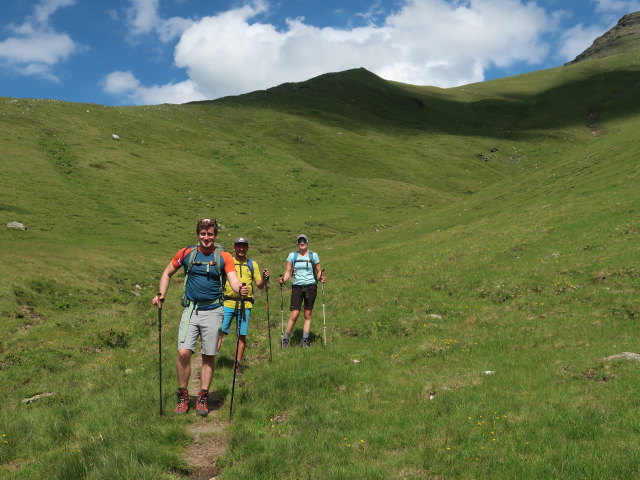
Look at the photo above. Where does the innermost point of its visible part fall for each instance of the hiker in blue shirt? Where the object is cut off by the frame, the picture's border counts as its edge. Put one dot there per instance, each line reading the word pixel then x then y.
pixel 205 267
pixel 304 267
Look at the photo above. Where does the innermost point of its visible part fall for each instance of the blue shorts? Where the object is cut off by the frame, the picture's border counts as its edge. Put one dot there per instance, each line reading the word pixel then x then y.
pixel 229 314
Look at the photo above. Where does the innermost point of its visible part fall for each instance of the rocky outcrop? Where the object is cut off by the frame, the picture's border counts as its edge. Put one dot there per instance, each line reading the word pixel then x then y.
pixel 623 37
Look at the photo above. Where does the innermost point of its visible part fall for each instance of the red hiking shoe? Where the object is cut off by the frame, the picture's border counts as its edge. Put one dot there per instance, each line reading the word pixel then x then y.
pixel 202 403
pixel 183 401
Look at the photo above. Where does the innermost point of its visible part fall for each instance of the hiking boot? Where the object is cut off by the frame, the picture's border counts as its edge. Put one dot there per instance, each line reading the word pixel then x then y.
pixel 304 343
pixel 202 403
pixel 285 343
pixel 238 369
pixel 183 401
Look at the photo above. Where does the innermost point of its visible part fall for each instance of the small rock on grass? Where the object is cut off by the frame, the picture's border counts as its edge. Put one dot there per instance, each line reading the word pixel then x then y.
pixel 37 397
pixel 625 356
pixel 16 225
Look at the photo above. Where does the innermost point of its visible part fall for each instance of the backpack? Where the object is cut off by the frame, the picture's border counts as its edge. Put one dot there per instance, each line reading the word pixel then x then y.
pixel 218 262
pixel 310 261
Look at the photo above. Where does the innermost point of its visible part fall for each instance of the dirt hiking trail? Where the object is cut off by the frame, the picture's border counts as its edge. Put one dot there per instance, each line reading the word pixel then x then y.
pixel 210 438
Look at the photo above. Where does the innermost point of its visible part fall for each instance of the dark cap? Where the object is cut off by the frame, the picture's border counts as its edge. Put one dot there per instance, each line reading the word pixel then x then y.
pixel 241 240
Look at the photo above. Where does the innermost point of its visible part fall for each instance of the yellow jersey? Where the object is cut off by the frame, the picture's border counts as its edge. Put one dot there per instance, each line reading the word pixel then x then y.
pixel 244 275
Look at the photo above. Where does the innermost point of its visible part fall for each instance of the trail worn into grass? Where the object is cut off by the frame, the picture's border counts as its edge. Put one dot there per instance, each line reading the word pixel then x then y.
pixel 210 439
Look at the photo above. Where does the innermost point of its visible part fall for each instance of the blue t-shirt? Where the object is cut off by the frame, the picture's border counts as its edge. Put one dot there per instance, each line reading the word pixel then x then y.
pixel 203 283
pixel 303 269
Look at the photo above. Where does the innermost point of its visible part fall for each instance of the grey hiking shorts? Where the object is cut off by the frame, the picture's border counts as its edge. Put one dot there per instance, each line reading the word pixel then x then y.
pixel 204 324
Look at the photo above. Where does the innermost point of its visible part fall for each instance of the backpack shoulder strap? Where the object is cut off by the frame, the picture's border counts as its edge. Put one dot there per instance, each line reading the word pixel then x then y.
pixel 250 265
pixel 219 260
pixel 313 266
pixel 191 258
pixel 293 263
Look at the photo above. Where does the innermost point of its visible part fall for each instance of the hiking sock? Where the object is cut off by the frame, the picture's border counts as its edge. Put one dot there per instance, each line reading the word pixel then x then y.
pixel 286 335
pixel 305 335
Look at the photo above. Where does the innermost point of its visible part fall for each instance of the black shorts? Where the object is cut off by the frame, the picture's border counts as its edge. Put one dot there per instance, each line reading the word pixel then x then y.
pixel 306 292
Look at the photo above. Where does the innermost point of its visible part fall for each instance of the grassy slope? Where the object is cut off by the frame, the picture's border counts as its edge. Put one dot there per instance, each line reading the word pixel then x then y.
pixel 535 281
pixel 527 258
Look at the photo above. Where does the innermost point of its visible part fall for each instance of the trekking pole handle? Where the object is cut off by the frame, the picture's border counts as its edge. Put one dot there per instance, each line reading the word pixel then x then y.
pixel 160 298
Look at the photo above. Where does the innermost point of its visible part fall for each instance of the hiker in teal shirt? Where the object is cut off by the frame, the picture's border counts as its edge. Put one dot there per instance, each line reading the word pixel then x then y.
pixel 304 266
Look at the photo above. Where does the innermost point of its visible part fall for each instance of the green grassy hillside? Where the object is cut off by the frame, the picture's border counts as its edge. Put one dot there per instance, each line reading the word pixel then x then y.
pixel 481 249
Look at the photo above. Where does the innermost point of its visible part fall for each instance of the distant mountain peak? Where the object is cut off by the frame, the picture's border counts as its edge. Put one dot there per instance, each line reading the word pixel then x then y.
pixel 623 37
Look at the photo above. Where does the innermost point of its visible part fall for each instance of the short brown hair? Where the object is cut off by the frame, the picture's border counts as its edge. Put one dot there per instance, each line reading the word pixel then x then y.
pixel 206 223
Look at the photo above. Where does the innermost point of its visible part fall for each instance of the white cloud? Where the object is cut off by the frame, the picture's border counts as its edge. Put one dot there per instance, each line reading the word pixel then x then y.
pixel 142 16
pixel 117 83
pixel 143 19
pixel 172 28
pixel 35 48
pixel 126 86
pixel 44 49
pixel 617 7
pixel 43 11
pixel 424 42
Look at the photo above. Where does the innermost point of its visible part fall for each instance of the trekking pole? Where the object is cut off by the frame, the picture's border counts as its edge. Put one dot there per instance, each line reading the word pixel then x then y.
pixel 281 311
pixel 235 363
pixel 269 322
pixel 324 315
pixel 160 352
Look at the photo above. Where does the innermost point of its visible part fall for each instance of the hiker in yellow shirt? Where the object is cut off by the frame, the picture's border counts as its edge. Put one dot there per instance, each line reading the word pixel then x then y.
pixel 248 272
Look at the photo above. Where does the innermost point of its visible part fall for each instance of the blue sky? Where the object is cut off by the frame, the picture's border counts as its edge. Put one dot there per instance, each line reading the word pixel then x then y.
pixel 137 52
